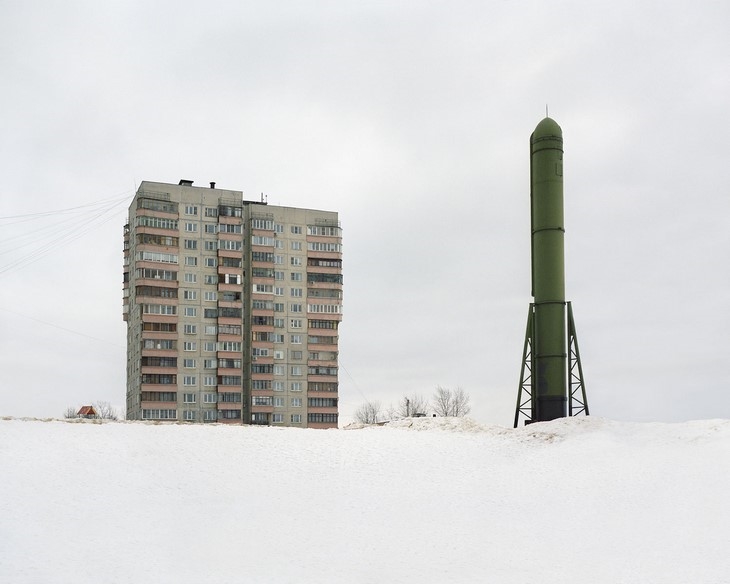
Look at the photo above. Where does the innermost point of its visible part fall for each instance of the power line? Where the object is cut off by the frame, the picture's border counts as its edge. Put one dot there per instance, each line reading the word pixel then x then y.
pixel 87 217
pixel 68 330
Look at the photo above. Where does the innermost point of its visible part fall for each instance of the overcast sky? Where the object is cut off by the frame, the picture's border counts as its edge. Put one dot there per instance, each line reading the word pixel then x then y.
pixel 412 120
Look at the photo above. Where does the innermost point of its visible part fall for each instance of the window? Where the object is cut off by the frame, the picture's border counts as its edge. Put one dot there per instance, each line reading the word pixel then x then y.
pixel 156 205
pixel 164 327
pixel 262 240
pixel 211 279
pixel 278 275
pixel 279 259
pixel 211 329
pixel 229 398
pixel 155 274
pixel 210 398
pixel 191 244
pixel 191 278
pixel 189 415
pixel 231 262
pixel 296 339
pixel 278 338
pixel 327 231
pixel 190 380
pixel 325 308
pixel 226 228
pixel 296 370
pixel 279 323
pixel 295 308
pixel 260 384
pixel 191 210
pixel 323 371
pixel 320 246
pixel 191 261
pixel 211 262
pixel 263 289
pixel 296 229
pixel 210 313
pixel 191 311
pixel 211 212
pixel 278 227
pixel 191 227
pixel 277 418
pixel 296 276
pixel 296 418
pixel 231 346
pixel 210 363
pixel 296 292
pixel 159 344
pixel 230 245
pixel 209 381
pixel 323 324
pixel 230 414
pixel 210 415
pixel 278 307
pixel 159 414
pixel 322 418
pixel 209 346
pixel 229 380
pixel 262 400
pixel 296 355
pixel 189 363
pixel 144 221
pixel 278 385
pixel 189 398
pixel 279 370
pixel 278 402
pixel 278 244
pixel 190 346
pixel 296 402
pixel 229 278
pixel 296 386
pixel 322 402
pixel 265 224
pixel 153 256
pixel 278 355
pixel 211 228
pixel 279 291
pixel 326 278
pixel 159 379
pixel 190 294
pixel 211 296
pixel 295 261
pixel 296 245
pixel 190 329
pixel 166 309
pixel 211 245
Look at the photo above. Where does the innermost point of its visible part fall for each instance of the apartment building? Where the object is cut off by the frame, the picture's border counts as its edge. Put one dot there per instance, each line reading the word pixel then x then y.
pixel 232 308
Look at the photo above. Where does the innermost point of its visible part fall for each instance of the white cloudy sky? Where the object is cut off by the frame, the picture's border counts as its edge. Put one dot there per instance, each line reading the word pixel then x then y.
pixel 412 120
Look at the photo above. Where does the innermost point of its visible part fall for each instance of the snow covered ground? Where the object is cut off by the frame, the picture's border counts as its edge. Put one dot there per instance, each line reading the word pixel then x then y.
pixel 426 500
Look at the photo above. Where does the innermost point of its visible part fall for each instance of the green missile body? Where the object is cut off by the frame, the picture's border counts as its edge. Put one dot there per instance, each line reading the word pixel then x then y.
pixel 548 272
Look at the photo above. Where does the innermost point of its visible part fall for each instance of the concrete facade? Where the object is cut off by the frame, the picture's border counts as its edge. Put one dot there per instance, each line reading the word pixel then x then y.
pixel 232 309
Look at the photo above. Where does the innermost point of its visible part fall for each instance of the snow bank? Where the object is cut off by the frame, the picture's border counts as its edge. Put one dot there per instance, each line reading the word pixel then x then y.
pixel 421 500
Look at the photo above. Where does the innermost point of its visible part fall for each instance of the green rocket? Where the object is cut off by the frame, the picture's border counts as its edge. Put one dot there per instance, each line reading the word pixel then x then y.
pixel 551 381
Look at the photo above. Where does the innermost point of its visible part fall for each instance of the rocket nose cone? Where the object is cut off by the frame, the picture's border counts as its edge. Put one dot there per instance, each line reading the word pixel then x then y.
pixel 547 127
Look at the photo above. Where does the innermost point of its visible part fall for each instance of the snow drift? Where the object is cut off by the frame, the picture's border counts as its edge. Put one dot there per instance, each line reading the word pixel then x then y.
pixel 419 500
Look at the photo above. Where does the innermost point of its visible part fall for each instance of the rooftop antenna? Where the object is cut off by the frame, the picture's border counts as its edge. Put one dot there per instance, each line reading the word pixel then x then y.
pixel 546 111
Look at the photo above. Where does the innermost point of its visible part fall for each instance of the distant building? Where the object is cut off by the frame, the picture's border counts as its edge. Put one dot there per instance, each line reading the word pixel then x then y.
pixel 87 412
pixel 232 308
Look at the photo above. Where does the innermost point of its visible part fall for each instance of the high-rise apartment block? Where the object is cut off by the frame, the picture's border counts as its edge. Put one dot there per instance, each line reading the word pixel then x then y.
pixel 232 308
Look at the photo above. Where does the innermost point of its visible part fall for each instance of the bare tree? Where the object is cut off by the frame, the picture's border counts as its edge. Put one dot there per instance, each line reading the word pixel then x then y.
pixel 410 405
pixel 448 402
pixel 460 404
pixel 105 411
pixel 70 413
pixel 368 413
